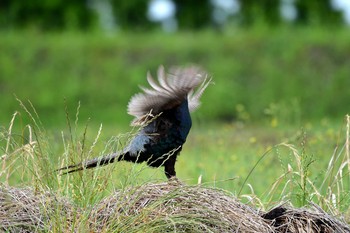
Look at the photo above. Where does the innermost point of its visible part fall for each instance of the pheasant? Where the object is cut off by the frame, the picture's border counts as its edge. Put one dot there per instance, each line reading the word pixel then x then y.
pixel 163 114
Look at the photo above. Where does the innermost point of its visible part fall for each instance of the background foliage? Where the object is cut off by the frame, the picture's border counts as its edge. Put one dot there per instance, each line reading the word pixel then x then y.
pixel 132 15
pixel 295 75
pixel 264 66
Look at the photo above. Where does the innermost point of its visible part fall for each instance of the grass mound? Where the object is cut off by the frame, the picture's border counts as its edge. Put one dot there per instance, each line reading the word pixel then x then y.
pixel 176 207
pixel 162 207
pixel 288 219
pixel 25 210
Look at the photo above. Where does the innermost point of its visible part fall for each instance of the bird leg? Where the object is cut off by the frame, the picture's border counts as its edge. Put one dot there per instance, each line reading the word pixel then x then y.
pixel 169 167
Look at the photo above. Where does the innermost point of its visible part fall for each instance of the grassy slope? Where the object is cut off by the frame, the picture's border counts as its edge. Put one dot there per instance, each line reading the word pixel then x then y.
pixel 223 155
pixel 271 102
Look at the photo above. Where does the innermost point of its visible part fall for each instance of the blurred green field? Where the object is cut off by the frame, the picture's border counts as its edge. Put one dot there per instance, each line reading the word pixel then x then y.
pixel 271 86
pixel 293 74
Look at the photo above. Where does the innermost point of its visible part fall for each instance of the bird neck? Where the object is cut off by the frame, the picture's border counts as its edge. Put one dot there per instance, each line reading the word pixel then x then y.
pixel 184 118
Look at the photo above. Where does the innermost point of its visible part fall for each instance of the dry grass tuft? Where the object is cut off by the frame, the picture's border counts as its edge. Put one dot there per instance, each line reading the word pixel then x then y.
pixel 178 207
pixel 162 207
pixel 288 219
pixel 24 210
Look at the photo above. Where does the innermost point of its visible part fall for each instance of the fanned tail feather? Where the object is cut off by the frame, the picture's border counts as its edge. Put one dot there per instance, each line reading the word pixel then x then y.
pixel 168 91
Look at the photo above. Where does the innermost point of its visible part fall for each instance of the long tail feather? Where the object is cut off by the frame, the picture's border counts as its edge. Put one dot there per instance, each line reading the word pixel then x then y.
pixel 96 162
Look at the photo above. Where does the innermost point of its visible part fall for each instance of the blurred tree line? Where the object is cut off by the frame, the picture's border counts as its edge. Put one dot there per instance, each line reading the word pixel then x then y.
pixel 132 14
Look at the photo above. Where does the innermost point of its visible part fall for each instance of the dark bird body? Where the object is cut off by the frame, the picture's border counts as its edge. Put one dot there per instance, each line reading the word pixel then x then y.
pixel 163 113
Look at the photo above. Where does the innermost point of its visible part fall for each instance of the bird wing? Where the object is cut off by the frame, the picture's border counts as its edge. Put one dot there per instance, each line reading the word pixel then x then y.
pixel 137 144
pixel 168 92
